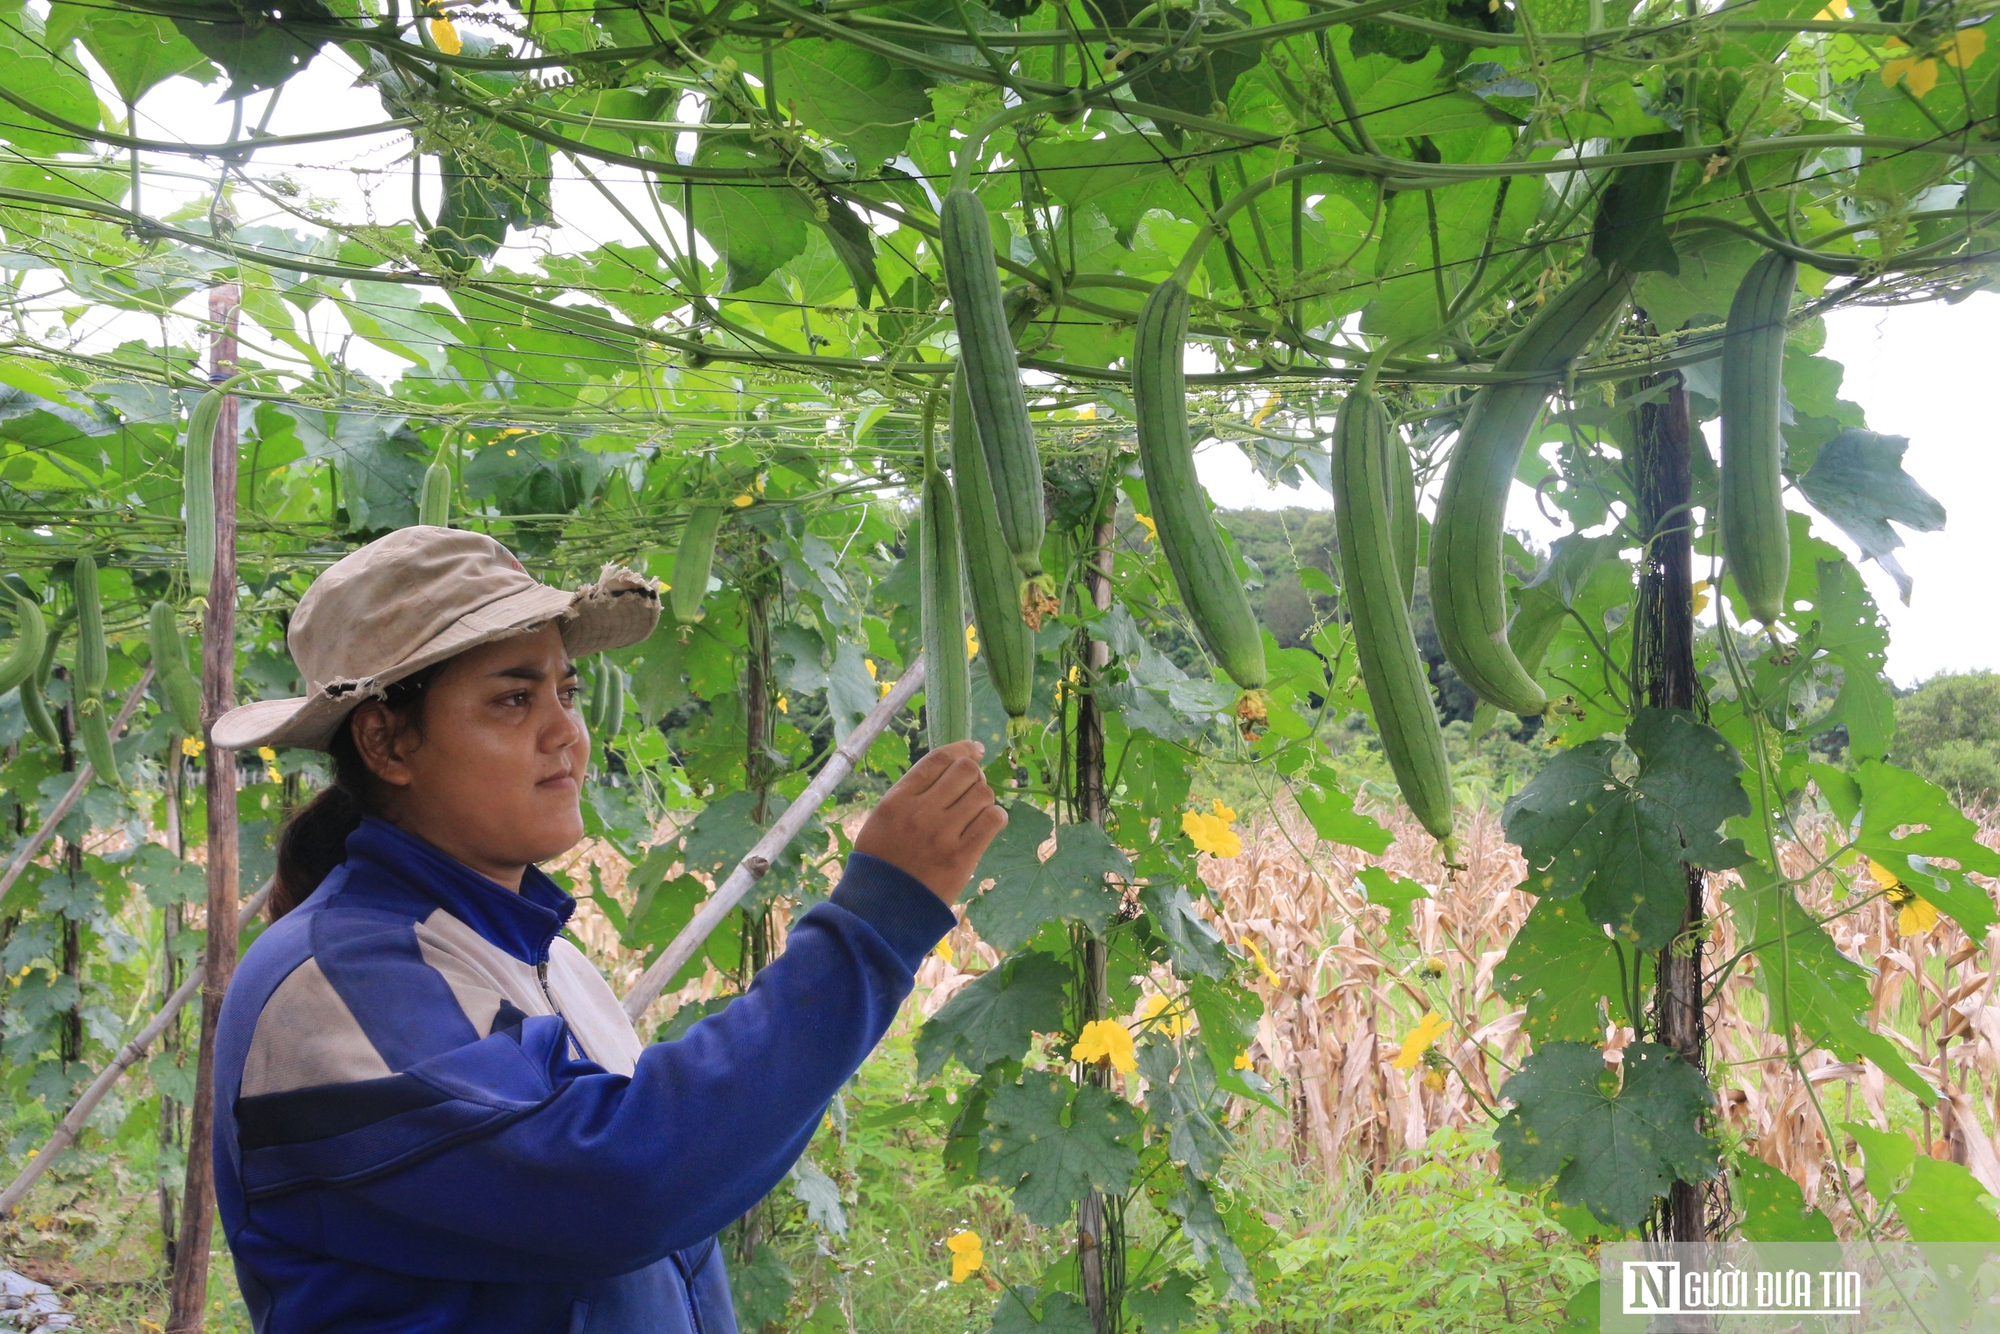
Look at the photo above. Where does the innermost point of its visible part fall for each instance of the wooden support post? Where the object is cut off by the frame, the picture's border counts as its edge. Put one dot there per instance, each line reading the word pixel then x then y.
pixel 218 693
pixel 1665 646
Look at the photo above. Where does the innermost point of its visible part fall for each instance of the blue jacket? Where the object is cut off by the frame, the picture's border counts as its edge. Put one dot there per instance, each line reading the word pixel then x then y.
pixel 432 1115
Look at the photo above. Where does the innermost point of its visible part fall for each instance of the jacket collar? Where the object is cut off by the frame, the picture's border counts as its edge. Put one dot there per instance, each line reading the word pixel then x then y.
pixel 522 924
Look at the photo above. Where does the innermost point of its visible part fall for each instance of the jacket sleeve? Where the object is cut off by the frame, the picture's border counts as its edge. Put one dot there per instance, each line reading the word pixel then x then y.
pixel 505 1159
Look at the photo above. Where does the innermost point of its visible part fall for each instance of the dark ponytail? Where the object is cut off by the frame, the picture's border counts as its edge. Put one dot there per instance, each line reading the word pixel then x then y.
pixel 314 839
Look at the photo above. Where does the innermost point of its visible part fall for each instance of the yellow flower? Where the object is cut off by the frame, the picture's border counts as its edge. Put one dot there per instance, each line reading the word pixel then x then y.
pixel 784 705
pixel 1211 834
pixel 1434 1079
pixel 869 663
pixel 886 687
pixel 967 1258
pixel 514 430
pixel 1921 70
pixel 446 37
pixel 971 644
pixel 1106 1040
pixel 1222 812
pixel 1270 406
pixel 512 452
pixel 745 499
pixel 1835 9
pixel 945 952
pixel 1700 591
pixel 1914 914
pixel 266 754
pixel 1263 965
pixel 271 772
pixel 1420 1040
pixel 191 746
pixel 1242 1060
pixel 1152 531
pixel 1176 1022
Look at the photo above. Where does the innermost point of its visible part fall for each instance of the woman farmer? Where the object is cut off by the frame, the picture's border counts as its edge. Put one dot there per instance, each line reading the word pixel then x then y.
pixel 431 1112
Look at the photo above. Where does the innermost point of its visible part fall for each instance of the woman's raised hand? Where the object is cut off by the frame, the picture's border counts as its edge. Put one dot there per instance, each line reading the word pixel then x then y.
pixel 937 820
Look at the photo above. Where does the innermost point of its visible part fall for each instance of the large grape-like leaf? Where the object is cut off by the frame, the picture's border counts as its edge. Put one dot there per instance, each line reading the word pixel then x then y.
pixel 1857 480
pixel 1613 1153
pixel 1894 799
pixel 1027 891
pixel 996 1017
pixel 1621 842
pixel 1050 1141
pixel 1945 1203
pixel 1562 966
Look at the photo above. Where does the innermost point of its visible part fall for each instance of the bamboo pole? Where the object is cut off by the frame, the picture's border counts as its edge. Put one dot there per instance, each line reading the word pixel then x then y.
pixel 71 1125
pixel 218 693
pixel 47 828
pixel 751 869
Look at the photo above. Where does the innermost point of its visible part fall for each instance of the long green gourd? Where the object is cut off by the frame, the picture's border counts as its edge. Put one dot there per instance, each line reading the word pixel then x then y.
pixel 93 722
pixel 32 638
pixel 1366 478
pixel 34 703
pixel 693 561
pixel 170 668
pixel 941 611
pixel 990 572
pixel 198 483
pixel 1201 566
pixel 1468 589
pixel 1756 542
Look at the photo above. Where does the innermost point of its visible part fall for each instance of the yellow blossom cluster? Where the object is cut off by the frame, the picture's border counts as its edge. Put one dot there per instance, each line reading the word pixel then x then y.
pixel 1210 831
pixel 1920 69
pixel 967 1255
pixel 1914 914
pixel 1420 1040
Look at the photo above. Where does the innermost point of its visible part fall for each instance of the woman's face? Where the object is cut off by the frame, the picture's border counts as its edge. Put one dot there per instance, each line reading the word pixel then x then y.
pixel 493 775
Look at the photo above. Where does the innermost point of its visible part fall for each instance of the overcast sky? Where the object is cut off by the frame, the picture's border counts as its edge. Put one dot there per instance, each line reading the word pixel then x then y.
pixel 1922 372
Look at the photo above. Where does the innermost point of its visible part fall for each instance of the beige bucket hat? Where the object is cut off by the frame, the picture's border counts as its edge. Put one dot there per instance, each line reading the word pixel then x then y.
pixel 416 597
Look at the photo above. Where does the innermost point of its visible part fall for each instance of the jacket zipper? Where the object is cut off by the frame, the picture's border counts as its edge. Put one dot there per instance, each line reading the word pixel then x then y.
pixel 542 976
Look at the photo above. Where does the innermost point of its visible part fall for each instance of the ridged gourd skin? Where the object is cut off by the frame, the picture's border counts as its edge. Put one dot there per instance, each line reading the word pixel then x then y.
pixel 93 663
pixel 941 611
pixel 31 633
pixel 1756 543
pixel 692 562
pixel 993 376
pixel 1202 569
pixel 1365 477
pixel 35 704
pixel 613 721
pixel 1405 534
pixel 434 500
pixel 170 668
pixel 1468 589
pixel 1005 642
pixel 94 730
pixel 198 483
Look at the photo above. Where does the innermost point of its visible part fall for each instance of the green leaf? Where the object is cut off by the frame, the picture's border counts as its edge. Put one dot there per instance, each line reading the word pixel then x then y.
pixel 166 878
pixel 137 51
pixel 1208 1234
pixel 1188 1107
pixel 262 51
pixel 46 75
pixel 723 834
pixel 1330 809
pixel 1164 1307
pixel 1944 1203
pixel 1049 1142
pixel 1828 993
pixel 1193 947
pixel 1854 635
pixel 853 96
pixel 1585 829
pixel 762 1289
pixel 1886 1155
pixel 1614 1153
pixel 995 1017
pixel 1631 222
pixel 1858 482
pixel 1774 1208
pixel 1892 798
pixel 1058 1313
pixel 1394 892
pixel 754 231
pixel 1027 891
pixel 1562 966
